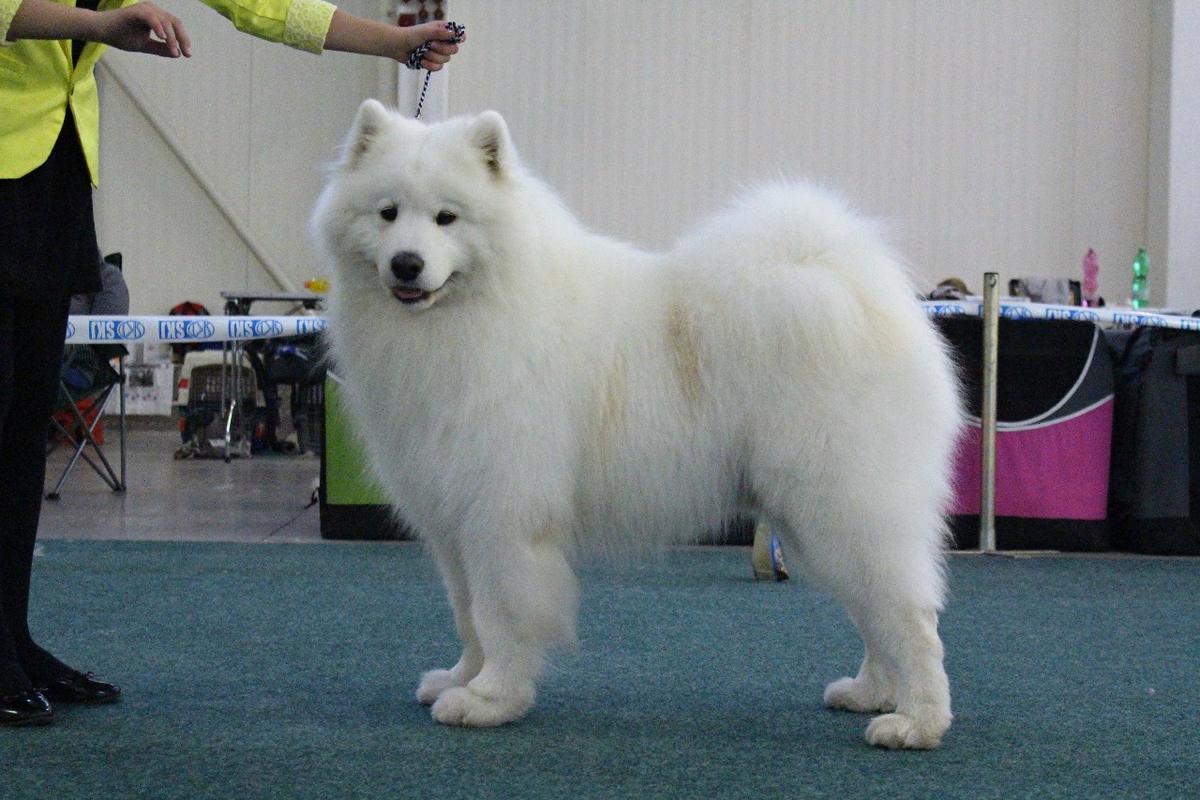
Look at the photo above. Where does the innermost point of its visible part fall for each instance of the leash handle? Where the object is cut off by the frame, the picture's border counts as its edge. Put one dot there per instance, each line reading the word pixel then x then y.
pixel 414 59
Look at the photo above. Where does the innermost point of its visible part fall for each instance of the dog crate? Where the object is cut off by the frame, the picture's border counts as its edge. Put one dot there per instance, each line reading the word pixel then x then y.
pixel 203 393
pixel 308 417
pixel 1155 486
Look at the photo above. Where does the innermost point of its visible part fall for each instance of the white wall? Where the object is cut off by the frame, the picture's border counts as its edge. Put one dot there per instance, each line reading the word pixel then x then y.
pixel 258 121
pixel 1002 134
pixel 1182 181
pixel 994 135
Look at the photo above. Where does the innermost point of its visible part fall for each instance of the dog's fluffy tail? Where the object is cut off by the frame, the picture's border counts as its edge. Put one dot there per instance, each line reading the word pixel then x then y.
pixel 801 252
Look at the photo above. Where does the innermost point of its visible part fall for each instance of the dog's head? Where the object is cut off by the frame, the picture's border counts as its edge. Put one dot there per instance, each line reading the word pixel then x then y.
pixel 410 208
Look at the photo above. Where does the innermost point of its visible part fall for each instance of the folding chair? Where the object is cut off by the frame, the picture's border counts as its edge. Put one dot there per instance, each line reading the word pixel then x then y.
pixel 85 386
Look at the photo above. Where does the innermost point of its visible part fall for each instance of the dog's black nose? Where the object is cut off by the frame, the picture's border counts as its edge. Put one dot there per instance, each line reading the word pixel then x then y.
pixel 407 265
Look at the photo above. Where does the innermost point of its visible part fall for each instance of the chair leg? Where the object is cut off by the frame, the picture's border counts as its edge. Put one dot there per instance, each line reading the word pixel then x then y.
pixel 114 482
pixel 106 472
pixel 53 494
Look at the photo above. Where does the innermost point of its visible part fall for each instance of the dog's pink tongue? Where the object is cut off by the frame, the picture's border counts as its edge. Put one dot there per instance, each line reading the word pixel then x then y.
pixel 406 293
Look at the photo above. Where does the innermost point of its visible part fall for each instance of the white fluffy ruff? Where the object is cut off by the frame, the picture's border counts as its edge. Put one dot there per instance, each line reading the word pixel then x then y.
pixel 560 391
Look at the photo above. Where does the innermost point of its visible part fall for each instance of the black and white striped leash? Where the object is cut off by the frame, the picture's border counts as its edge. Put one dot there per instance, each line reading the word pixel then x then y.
pixel 414 59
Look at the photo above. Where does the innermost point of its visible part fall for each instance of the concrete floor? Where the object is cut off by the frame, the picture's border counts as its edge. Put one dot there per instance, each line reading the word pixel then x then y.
pixel 258 499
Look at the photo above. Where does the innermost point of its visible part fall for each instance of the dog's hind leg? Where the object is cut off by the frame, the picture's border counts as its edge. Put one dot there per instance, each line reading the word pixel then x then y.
pixel 523 601
pixel 873 689
pixel 909 638
pixel 890 582
pixel 434 682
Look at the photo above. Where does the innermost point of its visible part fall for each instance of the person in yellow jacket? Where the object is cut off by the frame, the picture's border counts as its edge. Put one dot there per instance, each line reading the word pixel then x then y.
pixel 49 146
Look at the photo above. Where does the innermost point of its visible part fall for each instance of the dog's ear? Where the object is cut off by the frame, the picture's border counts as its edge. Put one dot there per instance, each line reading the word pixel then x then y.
pixel 489 135
pixel 370 120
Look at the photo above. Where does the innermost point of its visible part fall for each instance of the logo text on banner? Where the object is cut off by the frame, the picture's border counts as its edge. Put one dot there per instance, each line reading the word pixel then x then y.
pixel 1081 314
pixel 940 310
pixel 172 330
pixel 115 330
pixel 253 328
pixel 305 326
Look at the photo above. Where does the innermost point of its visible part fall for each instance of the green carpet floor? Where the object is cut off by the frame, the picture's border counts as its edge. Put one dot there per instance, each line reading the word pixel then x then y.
pixel 264 671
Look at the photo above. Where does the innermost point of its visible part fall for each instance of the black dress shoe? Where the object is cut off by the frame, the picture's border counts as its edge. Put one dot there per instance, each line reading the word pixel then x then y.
pixel 79 687
pixel 26 708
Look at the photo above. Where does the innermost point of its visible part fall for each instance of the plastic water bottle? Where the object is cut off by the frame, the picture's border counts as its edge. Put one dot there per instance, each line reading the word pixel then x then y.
pixel 1139 290
pixel 1091 278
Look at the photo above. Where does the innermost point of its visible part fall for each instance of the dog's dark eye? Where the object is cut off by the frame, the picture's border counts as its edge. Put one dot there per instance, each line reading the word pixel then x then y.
pixel 389 213
pixel 446 217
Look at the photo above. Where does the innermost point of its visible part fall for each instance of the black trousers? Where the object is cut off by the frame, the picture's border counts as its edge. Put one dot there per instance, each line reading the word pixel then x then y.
pixel 32 329
pixel 47 251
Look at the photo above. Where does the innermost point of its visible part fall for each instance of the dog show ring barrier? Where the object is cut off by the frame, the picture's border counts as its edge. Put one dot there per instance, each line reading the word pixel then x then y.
pixel 186 330
pixel 232 331
pixel 235 329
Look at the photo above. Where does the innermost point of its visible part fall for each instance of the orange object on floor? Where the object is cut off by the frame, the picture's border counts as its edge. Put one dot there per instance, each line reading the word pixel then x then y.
pixel 67 420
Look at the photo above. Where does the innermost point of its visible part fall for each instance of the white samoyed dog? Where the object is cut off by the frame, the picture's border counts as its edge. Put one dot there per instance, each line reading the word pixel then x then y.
pixel 530 390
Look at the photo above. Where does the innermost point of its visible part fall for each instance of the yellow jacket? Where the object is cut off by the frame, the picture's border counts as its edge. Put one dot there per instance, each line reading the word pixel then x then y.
pixel 38 82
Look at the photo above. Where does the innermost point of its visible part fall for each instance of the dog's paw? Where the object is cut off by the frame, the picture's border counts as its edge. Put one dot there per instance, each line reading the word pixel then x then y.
pixel 463 706
pixel 433 683
pixel 855 694
pixel 903 732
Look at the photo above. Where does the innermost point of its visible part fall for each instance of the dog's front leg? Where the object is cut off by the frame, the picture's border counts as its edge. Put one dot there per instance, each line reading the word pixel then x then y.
pixel 454 575
pixel 523 599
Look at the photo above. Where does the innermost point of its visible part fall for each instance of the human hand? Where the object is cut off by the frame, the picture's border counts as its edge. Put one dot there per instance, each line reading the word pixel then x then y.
pixel 143 28
pixel 441 39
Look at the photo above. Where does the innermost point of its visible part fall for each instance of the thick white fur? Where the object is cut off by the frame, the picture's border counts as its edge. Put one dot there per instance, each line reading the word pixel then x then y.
pixel 564 391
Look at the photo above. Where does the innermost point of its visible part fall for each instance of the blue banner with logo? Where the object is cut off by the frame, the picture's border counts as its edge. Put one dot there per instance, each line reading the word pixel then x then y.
pixel 1101 316
pixel 173 330
pixel 181 329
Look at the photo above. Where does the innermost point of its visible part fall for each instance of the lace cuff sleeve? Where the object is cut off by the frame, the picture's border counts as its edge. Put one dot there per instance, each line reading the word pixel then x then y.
pixel 307 24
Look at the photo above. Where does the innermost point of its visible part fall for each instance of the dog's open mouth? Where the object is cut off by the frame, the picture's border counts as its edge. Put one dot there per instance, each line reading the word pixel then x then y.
pixel 420 298
pixel 410 294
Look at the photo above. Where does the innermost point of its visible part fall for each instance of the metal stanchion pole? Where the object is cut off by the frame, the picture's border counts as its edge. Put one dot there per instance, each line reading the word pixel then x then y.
pixel 987 417
pixel 121 398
